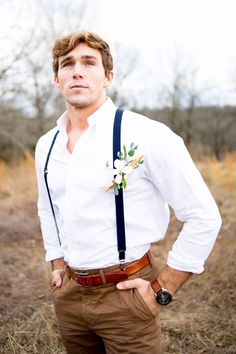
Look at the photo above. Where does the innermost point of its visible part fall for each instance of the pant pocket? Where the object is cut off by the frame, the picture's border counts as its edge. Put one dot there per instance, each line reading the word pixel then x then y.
pixel 132 305
pixel 59 291
pixel 141 306
pixel 137 302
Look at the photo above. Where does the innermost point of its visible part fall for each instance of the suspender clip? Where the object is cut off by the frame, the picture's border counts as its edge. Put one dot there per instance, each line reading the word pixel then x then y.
pixel 122 264
pixel 122 260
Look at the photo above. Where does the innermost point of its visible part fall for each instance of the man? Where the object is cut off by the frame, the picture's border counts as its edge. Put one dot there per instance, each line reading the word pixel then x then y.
pixel 102 304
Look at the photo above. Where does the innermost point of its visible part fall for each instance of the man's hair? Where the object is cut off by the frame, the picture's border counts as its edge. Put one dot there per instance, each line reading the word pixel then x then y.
pixel 65 44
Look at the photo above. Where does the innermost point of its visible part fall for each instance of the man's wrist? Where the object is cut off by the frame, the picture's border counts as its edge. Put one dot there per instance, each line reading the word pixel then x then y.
pixel 58 264
pixel 163 296
pixel 172 279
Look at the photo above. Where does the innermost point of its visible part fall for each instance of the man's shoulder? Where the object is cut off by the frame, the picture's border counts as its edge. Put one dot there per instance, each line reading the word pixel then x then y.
pixel 148 133
pixel 45 140
pixel 144 123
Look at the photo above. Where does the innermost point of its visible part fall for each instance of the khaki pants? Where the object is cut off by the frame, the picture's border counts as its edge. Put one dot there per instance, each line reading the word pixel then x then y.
pixel 103 319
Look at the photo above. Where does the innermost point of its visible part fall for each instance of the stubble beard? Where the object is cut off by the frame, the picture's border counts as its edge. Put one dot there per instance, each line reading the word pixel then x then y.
pixel 78 102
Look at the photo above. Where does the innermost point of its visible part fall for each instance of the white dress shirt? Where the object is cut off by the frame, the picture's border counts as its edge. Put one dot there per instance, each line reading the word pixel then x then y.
pixel 85 212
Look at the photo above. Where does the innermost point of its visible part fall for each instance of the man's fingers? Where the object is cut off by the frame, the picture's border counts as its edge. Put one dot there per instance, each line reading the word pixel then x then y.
pixel 130 284
pixel 57 277
pixel 58 282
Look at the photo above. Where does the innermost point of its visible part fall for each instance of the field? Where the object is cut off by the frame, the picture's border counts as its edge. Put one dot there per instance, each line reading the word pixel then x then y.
pixel 202 319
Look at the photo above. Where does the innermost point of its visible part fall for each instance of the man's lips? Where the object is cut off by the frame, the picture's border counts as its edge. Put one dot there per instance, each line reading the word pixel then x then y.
pixel 77 86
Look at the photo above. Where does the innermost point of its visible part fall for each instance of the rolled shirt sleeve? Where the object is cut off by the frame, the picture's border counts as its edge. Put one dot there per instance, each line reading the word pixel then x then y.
pixel 173 172
pixel 49 232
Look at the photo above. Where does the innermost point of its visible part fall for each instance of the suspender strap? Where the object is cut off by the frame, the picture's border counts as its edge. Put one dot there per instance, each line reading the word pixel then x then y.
pixel 120 223
pixel 119 203
pixel 46 183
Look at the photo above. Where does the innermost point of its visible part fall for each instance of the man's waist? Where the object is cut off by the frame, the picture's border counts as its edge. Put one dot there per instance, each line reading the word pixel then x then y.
pixel 104 259
pixel 109 275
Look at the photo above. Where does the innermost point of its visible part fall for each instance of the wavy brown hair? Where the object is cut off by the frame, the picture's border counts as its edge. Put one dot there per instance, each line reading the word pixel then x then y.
pixel 65 44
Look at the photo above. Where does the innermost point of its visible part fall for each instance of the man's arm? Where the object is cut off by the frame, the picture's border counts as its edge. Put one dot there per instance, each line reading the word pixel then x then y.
pixel 58 264
pixel 58 268
pixel 169 279
pixel 53 249
pixel 171 169
pixel 54 253
pixel 172 279
pixel 178 181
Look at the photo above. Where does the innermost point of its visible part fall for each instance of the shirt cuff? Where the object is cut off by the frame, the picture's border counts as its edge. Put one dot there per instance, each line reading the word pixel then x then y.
pixel 192 266
pixel 54 254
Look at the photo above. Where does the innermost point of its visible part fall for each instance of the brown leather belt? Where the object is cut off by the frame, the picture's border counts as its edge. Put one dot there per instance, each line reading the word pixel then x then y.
pixel 113 276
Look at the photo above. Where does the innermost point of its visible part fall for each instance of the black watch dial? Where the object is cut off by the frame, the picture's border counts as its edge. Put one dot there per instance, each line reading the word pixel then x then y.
pixel 163 297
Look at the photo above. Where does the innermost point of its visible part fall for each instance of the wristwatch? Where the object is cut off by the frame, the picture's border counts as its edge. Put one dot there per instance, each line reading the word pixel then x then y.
pixel 163 296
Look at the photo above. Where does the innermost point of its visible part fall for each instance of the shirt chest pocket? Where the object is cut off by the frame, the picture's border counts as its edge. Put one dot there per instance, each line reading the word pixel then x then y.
pixel 95 175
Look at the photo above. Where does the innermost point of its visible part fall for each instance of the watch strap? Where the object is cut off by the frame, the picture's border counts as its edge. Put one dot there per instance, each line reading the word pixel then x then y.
pixel 156 286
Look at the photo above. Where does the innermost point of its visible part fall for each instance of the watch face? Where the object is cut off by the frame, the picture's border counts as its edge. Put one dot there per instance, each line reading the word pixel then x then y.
pixel 163 297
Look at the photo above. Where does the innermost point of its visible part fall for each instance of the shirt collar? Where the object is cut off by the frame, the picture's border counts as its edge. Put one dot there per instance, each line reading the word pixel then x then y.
pixel 62 121
pixel 103 113
pixel 99 118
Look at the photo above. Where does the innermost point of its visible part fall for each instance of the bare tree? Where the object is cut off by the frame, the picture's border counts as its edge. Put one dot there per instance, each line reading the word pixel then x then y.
pixel 125 63
pixel 182 94
pixel 173 92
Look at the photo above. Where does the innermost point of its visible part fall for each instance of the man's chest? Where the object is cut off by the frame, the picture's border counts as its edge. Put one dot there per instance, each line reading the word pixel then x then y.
pixel 89 167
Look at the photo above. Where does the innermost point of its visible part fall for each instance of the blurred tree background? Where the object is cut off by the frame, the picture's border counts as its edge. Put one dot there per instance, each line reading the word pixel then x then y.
pixel 30 105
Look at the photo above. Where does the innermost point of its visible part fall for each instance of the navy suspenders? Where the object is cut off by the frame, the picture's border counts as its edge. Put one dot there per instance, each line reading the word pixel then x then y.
pixel 120 222
pixel 46 183
pixel 119 203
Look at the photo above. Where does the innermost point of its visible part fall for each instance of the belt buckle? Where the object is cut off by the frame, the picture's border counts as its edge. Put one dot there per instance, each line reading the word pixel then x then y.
pixel 81 273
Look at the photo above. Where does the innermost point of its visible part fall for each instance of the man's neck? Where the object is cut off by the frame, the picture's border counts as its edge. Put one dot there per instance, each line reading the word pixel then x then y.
pixel 78 117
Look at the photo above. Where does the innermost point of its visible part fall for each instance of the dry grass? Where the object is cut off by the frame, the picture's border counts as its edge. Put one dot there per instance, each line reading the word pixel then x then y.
pixel 201 320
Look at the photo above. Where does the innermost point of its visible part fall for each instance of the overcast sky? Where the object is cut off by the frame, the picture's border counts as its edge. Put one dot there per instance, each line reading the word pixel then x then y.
pixel 202 32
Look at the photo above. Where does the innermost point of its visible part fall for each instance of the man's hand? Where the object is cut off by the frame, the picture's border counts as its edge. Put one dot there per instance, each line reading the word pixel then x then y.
pixel 57 277
pixel 58 268
pixel 144 289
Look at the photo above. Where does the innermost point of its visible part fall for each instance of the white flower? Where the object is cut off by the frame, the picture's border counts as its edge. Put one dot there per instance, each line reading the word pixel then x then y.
pixel 121 169
pixel 118 178
pixel 119 165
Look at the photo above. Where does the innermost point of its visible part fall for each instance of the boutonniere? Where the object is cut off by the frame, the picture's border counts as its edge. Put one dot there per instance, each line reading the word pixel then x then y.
pixel 124 166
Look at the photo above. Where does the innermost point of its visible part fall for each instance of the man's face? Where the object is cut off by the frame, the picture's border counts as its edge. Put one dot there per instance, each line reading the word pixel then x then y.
pixel 81 77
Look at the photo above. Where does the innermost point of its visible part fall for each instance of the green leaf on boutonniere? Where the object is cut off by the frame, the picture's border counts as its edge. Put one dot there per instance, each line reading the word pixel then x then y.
pixel 133 147
pixel 124 167
pixel 131 153
pixel 125 153
pixel 116 190
pixel 124 184
pixel 119 155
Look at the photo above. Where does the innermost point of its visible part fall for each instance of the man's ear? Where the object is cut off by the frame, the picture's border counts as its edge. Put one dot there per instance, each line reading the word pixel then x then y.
pixel 56 81
pixel 108 79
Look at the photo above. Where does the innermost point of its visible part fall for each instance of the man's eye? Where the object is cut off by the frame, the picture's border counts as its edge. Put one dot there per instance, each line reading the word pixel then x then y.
pixel 89 63
pixel 66 64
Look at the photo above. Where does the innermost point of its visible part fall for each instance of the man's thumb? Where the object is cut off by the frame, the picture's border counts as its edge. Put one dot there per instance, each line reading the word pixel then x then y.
pixel 57 277
pixel 128 284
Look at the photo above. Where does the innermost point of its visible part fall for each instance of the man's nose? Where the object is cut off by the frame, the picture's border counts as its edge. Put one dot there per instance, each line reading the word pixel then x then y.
pixel 78 72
